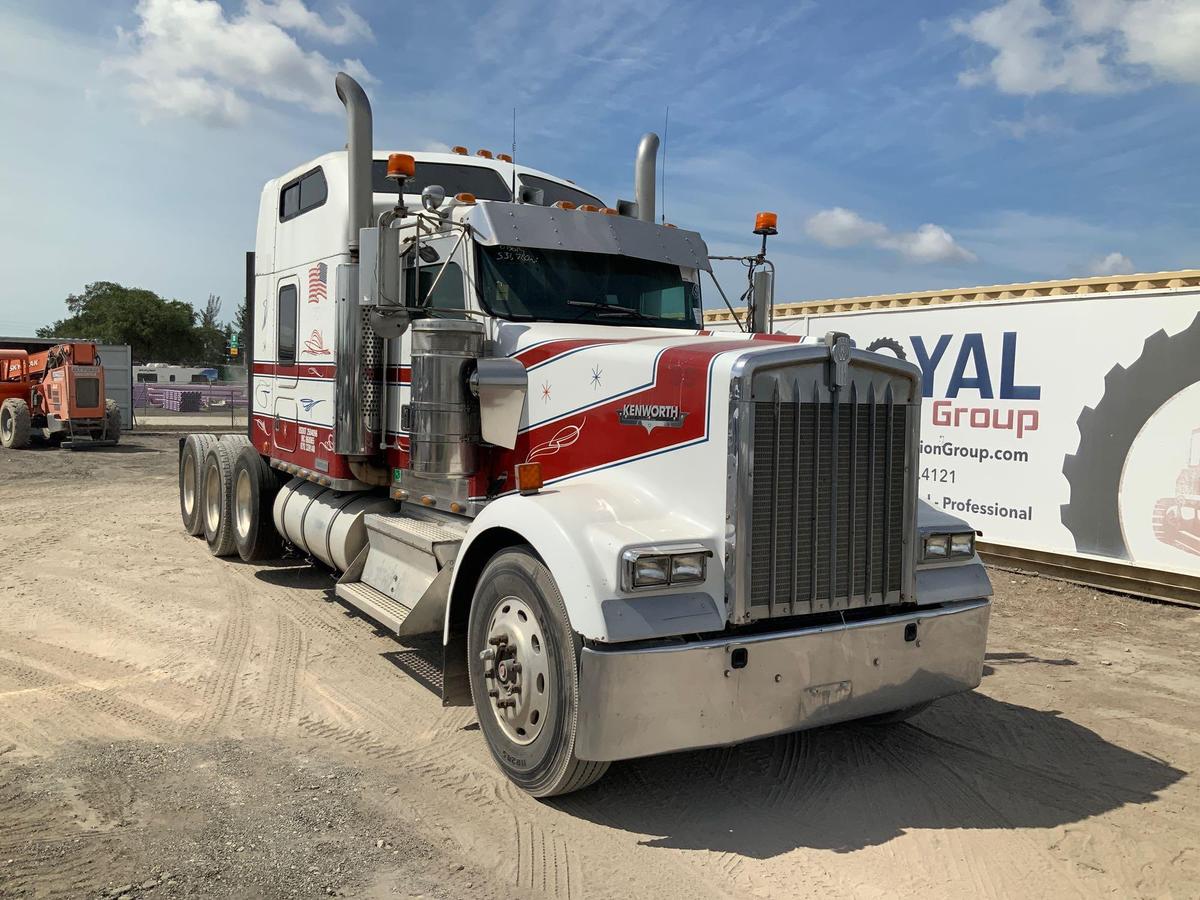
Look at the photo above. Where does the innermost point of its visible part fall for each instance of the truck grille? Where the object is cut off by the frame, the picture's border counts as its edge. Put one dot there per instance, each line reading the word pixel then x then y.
pixel 87 392
pixel 828 503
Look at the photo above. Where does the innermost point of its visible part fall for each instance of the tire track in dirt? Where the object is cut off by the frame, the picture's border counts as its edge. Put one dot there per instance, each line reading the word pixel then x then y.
pixel 220 687
pixel 285 666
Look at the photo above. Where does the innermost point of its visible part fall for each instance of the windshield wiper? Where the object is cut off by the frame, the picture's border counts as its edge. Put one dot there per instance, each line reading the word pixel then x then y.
pixel 608 309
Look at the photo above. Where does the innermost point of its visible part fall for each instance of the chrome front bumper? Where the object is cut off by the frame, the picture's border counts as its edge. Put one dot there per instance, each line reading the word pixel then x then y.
pixel 679 697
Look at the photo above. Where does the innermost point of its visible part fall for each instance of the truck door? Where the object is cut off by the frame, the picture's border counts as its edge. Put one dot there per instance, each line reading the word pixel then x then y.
pixel 287 302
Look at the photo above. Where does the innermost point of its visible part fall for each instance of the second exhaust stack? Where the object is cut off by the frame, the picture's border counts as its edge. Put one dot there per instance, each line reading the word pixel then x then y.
pixel 644 175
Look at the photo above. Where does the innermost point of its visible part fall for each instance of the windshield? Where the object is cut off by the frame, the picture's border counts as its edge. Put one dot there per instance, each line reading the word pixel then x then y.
pixel 552 191
pixel 565 286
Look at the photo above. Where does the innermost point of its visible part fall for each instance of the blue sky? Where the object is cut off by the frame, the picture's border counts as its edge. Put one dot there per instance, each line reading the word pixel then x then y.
pixel 904 146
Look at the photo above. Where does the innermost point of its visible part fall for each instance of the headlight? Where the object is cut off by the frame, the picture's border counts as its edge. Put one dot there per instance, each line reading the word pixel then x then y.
pixel 668 565
pixel 942 547
pixel 651 570
pixel 962 544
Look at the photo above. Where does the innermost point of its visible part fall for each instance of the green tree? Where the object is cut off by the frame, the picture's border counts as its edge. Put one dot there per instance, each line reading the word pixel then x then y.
pixel 241 326
pixel 156 329
pixel 212 334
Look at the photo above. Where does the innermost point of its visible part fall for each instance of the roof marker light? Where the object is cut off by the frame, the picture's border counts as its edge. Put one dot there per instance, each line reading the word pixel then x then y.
pixel 588 207
pixel 609 211
pixel 461 151
pixel 563 204
pixel 486 154
pixel 504 157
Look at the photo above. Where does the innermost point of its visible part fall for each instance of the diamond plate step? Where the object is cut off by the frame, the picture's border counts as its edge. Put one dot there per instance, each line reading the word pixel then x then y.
pixel 377 605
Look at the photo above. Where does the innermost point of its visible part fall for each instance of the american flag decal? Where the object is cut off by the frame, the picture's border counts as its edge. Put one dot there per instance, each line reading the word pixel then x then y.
pixel 318 283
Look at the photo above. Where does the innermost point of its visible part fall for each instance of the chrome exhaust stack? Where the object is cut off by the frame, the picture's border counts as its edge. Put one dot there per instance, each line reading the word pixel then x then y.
pixel 644 176
pixel 359 151
pixel 357 426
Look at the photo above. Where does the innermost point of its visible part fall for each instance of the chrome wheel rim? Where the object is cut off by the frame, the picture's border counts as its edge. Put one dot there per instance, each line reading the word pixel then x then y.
pixel 242 504
pixel 189 483
pixel 212 497
pixel 516 671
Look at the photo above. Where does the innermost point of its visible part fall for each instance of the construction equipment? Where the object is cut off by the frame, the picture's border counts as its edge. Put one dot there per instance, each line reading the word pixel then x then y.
pixel 503 422
pixel 1177 519
pixel 57 396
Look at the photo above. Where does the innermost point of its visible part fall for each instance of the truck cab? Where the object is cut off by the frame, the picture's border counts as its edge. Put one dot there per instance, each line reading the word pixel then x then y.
pixel 504 422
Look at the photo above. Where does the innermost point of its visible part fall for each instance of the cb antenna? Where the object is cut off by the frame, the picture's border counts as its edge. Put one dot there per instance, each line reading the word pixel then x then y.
pixel 514 156
pixel 663 178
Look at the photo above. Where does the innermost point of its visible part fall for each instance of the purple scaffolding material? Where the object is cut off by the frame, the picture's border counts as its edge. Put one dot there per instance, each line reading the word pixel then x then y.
pixel 190 398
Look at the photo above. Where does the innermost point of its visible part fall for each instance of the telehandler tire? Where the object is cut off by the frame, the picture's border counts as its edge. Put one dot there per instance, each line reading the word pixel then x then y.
pixel 14 424
pixel 218 499
pixel 528 712
pixel 191 481
pixel 255 485
pixel 112 421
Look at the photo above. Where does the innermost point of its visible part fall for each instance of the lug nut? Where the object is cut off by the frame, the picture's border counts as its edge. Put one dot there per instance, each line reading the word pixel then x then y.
pixel 493 693
pixel 502 704
pixel 488 655
pixel 498 641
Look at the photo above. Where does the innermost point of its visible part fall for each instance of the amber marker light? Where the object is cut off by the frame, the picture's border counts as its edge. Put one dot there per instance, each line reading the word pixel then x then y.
pixel 486 154
pixel 529 478
pixel 401 165
pixel 504 157
pixel 765 223
pixel 609 211
pixel 563 204
pixel 461 151
pixel 464 197
pixel 588 207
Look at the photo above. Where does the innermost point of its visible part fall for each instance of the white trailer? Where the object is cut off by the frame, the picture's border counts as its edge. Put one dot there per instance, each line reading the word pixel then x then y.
pixel 504 422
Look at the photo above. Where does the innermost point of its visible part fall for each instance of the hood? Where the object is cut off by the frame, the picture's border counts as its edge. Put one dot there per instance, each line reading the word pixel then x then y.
pixel 602 396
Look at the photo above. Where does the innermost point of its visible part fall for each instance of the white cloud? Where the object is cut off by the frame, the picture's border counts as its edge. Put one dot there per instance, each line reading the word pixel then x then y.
pixel 840 227
pixel 1113 264
pixel 1092 47
pixel 187 58
pixel 293 15
pixel 928 244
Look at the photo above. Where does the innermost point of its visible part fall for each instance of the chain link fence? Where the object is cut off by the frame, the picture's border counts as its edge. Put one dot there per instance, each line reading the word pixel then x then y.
pixel 209 405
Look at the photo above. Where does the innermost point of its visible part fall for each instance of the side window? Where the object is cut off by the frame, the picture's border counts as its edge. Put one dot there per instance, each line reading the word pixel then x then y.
pixel 302 194
pixel 449 293
pixel 287 323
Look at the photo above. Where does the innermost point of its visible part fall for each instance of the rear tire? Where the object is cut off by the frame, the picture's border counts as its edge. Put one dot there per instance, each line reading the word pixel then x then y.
pixel 217 505
pixel 238 440
pixel 532 741
pixel 255 485
pixel 14 424
pixel 191 481
pixel 112 421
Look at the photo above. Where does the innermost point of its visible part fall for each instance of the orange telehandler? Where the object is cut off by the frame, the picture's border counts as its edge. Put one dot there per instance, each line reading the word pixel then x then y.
pixel 56 395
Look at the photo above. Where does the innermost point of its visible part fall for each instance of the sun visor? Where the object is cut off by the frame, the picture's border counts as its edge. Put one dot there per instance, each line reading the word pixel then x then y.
pixel 548 228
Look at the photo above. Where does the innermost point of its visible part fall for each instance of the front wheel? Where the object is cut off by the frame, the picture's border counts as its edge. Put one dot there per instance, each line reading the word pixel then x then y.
pixel 112 421
pixel 523 659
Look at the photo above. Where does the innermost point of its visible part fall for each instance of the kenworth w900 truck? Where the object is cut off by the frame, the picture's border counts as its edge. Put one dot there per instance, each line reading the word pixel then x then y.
pixel 503 422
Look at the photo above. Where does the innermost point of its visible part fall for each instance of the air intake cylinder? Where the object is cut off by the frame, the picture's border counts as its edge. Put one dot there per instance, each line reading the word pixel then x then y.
pixel 444 425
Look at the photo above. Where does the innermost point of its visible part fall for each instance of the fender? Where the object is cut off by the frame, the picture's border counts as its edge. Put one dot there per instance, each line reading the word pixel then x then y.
pixel 579 531
pixel 947 582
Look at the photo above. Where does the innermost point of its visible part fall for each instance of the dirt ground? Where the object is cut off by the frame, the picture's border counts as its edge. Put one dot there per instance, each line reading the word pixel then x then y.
pixel 176 725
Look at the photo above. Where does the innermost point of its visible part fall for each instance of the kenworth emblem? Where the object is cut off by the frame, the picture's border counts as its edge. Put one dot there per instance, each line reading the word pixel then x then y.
pixel 838 343
pixel 651 416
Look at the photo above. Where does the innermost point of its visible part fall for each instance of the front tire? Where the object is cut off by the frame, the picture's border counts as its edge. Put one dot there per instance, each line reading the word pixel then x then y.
pixel 112 421
pixel 523 661
pixel 14 424
pixel 254 488
pixel 217 506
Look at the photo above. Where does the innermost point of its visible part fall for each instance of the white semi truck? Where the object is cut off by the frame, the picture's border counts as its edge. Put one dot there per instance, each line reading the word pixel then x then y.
pixel 503 422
